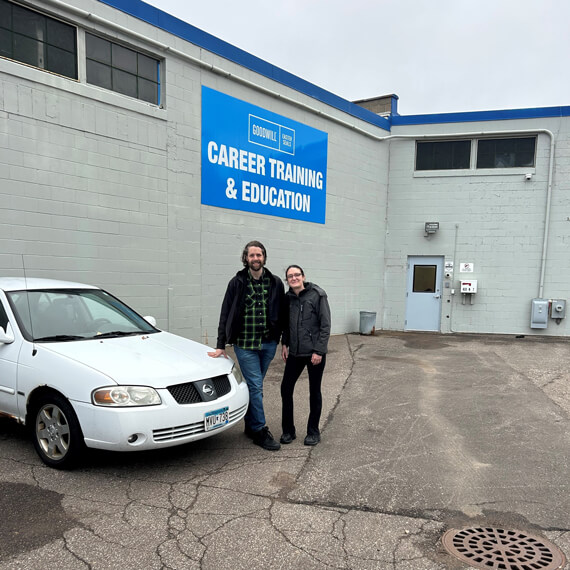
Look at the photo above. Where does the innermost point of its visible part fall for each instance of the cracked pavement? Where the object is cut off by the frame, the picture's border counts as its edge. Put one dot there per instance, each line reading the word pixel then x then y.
pixel 420 433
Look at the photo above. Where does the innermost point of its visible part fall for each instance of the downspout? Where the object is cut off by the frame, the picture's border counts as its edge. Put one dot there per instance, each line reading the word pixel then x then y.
pixel 546 217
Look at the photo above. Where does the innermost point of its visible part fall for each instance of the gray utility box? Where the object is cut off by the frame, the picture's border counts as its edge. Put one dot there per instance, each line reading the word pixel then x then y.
pixel 558 308
pixel 538 313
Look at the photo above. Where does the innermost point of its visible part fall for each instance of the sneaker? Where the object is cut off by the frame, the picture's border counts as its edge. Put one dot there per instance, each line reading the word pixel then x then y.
pixel 264 439
pixel 287 437
pixel 312 439
pixel 249 432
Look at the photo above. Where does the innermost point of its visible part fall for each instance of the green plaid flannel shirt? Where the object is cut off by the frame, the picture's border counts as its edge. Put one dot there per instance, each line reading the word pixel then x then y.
pixel 255 325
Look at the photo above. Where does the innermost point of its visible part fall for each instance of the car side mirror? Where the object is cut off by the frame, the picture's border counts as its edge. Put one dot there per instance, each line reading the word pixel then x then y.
pixel 6 336
pixel 150 320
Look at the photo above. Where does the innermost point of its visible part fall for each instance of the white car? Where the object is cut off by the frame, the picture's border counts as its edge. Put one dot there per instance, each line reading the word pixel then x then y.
pixel 82 369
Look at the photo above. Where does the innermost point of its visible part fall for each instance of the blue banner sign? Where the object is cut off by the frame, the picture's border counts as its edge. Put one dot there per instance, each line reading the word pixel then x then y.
pixel 256 161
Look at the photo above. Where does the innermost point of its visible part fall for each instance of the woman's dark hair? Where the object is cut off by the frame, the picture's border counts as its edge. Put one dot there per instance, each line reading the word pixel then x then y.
pixel 246 249
pixel 290 267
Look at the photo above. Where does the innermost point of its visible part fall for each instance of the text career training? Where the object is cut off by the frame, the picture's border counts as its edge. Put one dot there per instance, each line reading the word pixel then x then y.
pixel 256 163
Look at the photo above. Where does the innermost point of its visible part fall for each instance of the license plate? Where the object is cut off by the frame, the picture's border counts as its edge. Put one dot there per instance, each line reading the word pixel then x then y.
pixel 216 418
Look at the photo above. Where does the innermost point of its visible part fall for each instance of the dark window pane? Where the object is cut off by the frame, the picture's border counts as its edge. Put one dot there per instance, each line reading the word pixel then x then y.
pixel 62 62
pixel 33 38
pixel 424 278
pixel 29 51
pixel 98 49
pixel 5 15
pixel 506 153
pixel 5 43
pixel 60 35
pixel 124 83
pixel 29 23
pixel 99 74
pixel 124 58
pixel 443 155
pixel 148 91
pixel 147 67
pixel 129 72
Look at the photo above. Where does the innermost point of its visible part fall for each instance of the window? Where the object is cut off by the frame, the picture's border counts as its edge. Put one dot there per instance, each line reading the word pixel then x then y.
pixel 424 278
pixel 443 155
pixel 506 153
pixel 121 69
pixel 32 38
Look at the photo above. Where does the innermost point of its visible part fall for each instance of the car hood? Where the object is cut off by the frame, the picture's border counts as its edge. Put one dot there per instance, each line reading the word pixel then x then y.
pixel 158 360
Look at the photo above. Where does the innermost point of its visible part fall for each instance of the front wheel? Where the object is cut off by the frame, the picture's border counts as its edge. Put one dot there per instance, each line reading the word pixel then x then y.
pixel 57 434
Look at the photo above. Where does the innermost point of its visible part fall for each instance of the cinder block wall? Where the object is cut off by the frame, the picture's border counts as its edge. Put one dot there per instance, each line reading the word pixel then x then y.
pixel 495 221
pixel 100 188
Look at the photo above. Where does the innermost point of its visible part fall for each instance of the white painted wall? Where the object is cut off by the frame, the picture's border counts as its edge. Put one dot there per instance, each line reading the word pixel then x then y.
pixel 99 188
pixel 494 220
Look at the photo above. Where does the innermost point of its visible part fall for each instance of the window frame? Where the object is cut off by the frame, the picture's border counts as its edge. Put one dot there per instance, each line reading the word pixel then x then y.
pixel 516 152
pixel 473 168
pixel 443 142
pixel 48 46
pixel 116 70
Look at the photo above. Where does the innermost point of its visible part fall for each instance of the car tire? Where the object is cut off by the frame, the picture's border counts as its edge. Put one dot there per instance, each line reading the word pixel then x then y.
pixel 58 438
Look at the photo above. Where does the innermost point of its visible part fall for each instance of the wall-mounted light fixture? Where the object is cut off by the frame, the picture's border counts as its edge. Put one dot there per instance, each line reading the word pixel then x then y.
pixel 431 228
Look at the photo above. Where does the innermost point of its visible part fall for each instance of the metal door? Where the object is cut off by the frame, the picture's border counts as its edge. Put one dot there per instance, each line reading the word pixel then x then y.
pixel 423 294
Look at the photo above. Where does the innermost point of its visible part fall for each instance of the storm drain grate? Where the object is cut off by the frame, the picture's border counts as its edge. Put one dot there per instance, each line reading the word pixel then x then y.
pixel 502 549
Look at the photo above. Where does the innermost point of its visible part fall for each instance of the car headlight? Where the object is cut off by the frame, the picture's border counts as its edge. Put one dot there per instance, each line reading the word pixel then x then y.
pixel 237 374
pixel 123 396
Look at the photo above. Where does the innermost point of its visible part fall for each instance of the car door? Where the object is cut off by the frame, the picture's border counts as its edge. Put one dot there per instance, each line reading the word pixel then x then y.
pixel 9 353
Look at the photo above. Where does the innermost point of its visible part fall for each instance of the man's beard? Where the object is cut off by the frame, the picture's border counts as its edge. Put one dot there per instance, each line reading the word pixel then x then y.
pixel 256 265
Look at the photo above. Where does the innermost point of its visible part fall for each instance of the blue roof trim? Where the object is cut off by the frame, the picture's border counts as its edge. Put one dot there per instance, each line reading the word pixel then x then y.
pixel 504 115
pixel 186 31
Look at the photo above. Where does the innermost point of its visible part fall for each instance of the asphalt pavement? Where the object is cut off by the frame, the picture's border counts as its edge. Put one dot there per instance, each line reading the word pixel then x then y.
pixel 421 433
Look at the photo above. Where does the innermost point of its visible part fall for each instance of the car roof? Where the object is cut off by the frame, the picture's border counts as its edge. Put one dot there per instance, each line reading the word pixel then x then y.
pixel 35 283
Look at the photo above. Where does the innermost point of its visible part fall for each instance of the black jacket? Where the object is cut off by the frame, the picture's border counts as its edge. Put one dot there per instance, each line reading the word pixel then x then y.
pixel 232 313
pixel 309 321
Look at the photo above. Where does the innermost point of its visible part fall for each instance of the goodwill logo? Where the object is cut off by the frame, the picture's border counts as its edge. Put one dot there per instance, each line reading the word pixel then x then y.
pixel 257 161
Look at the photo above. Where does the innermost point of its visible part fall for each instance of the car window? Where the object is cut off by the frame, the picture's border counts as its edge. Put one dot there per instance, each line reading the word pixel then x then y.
pixel 74 314
pixel 3 317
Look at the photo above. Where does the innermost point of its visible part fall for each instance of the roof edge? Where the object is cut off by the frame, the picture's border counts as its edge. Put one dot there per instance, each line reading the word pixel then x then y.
pixel 473 116
pixel 175 26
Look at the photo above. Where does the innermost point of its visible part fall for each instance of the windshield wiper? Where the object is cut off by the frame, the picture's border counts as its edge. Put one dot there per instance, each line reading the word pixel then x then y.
pixel 59 338
pixel 112 334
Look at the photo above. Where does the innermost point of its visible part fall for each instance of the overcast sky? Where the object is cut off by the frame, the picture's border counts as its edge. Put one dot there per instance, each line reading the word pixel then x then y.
pixel 436 55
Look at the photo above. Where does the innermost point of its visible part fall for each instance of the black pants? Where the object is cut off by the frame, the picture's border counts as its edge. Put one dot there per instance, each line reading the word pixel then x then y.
pixel 293 368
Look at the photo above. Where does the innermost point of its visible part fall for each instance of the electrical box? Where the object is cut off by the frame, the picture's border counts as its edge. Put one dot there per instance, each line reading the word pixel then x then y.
pixel 538 313
pixel 557 308
pixel 469 286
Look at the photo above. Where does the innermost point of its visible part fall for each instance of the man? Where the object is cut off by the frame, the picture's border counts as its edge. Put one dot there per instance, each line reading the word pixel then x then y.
pixel 252 319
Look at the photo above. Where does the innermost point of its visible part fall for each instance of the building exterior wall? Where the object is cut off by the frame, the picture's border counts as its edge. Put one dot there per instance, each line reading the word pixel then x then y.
pixel 103 189
pixel 494 220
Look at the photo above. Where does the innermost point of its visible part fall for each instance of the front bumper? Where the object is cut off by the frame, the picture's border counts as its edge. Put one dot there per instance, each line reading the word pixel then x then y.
pixel 155 427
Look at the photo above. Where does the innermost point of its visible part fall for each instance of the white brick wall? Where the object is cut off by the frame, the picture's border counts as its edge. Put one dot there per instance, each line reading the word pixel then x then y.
pixel 499 220
pixel 99 188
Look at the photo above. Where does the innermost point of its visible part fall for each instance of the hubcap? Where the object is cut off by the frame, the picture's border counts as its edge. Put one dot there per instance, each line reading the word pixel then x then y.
pixel 52 432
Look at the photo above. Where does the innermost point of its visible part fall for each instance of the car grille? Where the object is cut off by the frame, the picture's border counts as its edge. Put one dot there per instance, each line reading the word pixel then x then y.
pixel 189 394
pixel 181 432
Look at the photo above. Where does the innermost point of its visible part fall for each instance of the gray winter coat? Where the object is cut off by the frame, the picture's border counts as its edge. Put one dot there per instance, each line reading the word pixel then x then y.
pixel 309 321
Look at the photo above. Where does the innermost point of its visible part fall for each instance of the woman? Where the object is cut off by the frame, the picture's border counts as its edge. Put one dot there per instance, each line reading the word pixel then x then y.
pixel 304 344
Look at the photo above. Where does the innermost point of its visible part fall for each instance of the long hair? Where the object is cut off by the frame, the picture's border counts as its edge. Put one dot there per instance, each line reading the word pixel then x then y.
pixel 253 243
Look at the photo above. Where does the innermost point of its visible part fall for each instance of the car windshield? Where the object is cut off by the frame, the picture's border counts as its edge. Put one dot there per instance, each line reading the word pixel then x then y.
pixel 60 315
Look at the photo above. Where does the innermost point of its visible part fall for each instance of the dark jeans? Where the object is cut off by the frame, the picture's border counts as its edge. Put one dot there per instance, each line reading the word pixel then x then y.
pixel 293 368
